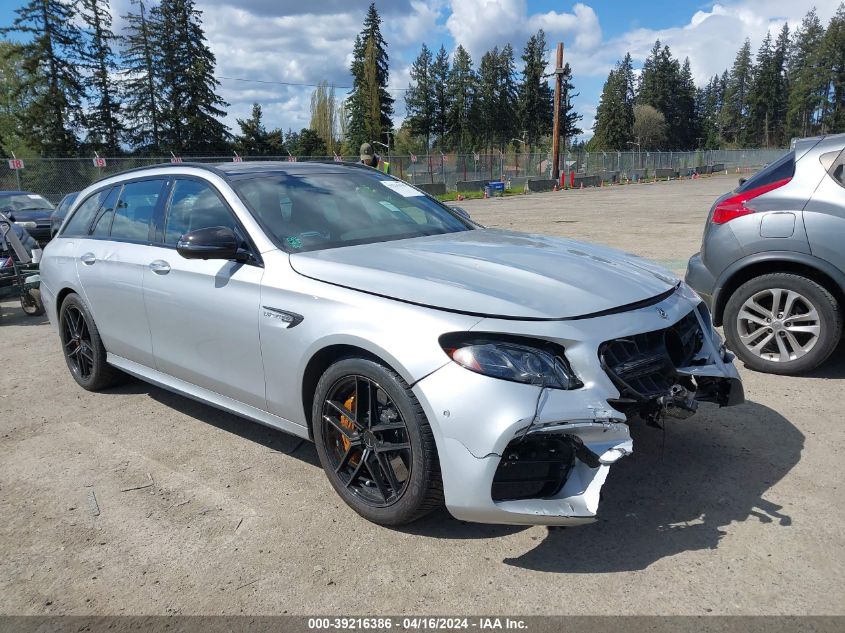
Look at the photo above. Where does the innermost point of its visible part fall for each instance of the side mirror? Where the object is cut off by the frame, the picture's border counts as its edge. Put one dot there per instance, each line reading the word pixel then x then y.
pixel 461 212
pixel 216 242
pixel 742 181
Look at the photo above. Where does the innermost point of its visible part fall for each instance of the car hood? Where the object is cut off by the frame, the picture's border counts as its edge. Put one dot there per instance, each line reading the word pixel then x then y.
pixel 491 272
pixel 32 215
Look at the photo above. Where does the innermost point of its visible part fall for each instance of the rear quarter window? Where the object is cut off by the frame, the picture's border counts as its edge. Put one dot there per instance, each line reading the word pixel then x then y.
pixel 834 164
pixel 781 169
pixel 85 212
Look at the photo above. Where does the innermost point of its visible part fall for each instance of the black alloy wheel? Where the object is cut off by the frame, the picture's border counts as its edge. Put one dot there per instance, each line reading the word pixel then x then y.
pixel 83 349
pixel 368 440
pixel 76 339
pixel 374 442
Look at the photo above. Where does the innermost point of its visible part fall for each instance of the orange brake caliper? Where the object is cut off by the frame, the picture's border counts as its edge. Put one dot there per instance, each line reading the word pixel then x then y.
pixel 346 422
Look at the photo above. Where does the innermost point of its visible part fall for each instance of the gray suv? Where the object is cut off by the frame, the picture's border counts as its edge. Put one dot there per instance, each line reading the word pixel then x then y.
pixel 772 261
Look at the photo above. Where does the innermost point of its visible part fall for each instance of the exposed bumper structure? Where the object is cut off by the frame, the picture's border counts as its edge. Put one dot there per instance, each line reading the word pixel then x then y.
pixel 520 454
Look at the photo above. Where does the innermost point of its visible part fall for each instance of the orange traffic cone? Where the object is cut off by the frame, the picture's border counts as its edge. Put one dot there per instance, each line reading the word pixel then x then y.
pixel 582 185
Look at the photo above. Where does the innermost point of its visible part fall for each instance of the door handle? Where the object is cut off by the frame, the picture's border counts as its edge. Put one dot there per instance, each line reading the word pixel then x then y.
pixel 160 267
pixel 87 258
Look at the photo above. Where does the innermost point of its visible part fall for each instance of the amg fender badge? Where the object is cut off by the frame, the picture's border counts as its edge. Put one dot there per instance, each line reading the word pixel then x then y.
pixel 291 318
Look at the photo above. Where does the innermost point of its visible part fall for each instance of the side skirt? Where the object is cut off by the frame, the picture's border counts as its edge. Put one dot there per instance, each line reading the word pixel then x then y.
pixel 206 396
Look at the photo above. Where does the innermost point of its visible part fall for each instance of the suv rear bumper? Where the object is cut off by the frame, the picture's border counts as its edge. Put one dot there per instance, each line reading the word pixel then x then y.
pixel 700 279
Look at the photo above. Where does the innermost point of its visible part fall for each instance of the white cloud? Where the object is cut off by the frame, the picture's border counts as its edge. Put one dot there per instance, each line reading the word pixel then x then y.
pixel 479 25
pixel 712 37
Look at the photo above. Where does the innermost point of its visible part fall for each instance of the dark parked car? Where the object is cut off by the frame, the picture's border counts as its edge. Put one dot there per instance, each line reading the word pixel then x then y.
pixel 30 211
pixel 60 213
pixel 772 262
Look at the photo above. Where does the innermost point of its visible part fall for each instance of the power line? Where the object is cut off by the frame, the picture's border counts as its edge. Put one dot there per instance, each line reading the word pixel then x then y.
pixel 297 84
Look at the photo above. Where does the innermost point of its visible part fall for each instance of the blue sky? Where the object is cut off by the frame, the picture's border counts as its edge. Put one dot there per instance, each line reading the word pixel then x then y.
pixel 272 42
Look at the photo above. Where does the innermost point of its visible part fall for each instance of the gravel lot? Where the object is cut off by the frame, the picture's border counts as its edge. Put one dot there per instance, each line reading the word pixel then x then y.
pixel 738 511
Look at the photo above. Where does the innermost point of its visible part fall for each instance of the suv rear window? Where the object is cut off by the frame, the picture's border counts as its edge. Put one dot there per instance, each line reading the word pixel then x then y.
pixel 781 169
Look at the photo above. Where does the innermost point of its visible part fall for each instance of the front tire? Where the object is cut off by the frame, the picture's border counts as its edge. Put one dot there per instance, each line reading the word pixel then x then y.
pixel 31 302
pixel 375 444
pixel 782 323
pixel 83 348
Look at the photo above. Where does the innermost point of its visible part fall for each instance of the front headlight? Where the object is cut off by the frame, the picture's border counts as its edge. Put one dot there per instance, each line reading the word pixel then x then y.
pixel 516 359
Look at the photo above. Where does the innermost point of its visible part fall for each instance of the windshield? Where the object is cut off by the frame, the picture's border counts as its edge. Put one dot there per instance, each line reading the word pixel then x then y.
pixel 306 212
pixel 23 202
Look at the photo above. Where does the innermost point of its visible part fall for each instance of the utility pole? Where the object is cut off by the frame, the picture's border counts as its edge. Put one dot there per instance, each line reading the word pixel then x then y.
pixel 556 125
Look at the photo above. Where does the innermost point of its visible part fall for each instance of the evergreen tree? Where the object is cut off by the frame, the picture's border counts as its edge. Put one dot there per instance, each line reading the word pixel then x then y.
pixel 662 86
pixel 192 109
pixel 253 139
pixel 487 97
pixel 687 123
pixel 103 123
pixel 569 118
pixel 709 108
pixel 536 98
pixel 505 122
pixel 420 97
pixel 780 94
pixel 767 95
pixel 141 58
pixel 52 87
pixel 12 102
pixel 808 79
pixel 834 53
pixel 735 107
pixel 615 113
pixel 462 87
pixel 369 106
pixel 440 78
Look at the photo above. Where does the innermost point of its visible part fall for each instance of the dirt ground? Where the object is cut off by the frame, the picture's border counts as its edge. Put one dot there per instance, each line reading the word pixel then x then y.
pixel 735 511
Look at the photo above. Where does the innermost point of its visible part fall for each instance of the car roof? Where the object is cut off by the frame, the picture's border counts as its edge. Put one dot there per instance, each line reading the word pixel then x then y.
pixel 19 193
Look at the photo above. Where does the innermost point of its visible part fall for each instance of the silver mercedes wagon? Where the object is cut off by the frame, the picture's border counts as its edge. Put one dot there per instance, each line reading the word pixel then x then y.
pixel 431 360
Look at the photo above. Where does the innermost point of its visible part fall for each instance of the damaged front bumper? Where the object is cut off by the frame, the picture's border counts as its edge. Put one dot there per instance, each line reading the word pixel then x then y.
pixel 514 453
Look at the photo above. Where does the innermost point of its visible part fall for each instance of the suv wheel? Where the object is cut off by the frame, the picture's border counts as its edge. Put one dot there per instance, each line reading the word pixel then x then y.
pixel 375 444
pixel 782 323
pixel 83 349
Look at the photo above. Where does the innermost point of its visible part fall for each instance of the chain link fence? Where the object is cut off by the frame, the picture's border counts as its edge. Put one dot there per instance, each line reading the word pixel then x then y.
pixel 55 177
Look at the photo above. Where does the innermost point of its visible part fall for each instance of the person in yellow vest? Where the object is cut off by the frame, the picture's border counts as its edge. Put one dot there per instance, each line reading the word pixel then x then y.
pixel 371 159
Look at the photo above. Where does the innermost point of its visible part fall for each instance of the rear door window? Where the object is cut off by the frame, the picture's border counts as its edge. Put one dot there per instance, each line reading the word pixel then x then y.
pixel 81 219
pixel 781 169
pixel 134 210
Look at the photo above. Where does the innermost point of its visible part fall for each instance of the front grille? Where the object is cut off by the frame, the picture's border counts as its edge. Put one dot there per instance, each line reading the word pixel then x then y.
pixel 533 468
pixel 643 365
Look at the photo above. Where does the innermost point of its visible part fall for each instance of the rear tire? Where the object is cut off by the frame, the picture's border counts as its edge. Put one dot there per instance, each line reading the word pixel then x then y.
pixel 83 348
pixel 384 485
pixel 782 323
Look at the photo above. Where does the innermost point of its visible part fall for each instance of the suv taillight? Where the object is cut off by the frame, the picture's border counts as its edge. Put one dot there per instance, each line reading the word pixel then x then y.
pixel 734 207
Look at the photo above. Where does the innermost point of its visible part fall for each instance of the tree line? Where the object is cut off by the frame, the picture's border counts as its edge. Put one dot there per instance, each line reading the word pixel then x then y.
pixel 454 106
pixel 794 87
pixel 75 85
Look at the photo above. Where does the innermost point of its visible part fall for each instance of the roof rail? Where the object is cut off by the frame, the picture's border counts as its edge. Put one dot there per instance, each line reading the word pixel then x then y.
pixel 205 166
